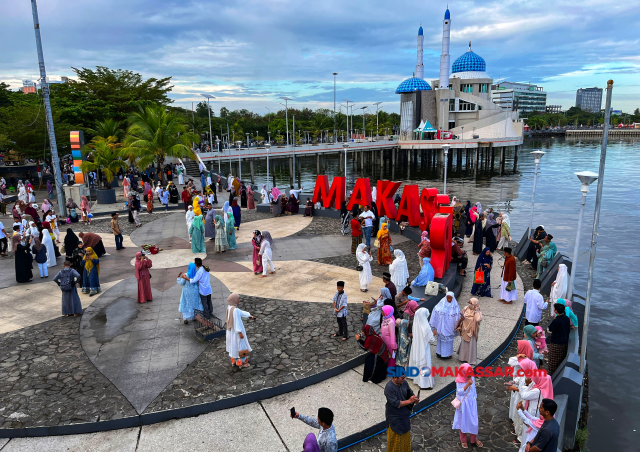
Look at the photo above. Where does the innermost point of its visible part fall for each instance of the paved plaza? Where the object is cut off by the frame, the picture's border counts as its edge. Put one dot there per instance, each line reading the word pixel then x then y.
pixel 121 359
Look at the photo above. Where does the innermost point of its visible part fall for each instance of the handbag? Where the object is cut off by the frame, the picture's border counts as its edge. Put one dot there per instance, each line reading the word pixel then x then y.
pixel 432 288
pixel 511 286
pixel 376 243
pixel 359 268
pixel 479 276
pixel 458 403
pixel 243 353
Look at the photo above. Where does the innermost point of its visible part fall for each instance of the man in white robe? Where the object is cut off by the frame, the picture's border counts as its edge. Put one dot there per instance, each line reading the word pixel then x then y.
pixel 420 356
pixel 189 216
pixel 444 320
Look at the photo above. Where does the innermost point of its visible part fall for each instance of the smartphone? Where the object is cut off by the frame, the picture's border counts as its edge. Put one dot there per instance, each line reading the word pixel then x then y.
pixel 419 392
pixel 293 412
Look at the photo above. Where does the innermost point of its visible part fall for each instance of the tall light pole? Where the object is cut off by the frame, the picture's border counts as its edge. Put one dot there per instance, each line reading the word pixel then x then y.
pixel 334 106
pixel 286 115
pixel 239 143
pixel 537 155
pixel 294 150
pixel 55 160
pixel 377 104
pixel 586 178
pixel 269 123
pixel 596 220
pixel 345 146
pixel 363 130
pixel 219 157
pixel 268 146
pixel 209 96
pixel 347 101
pixel 445 148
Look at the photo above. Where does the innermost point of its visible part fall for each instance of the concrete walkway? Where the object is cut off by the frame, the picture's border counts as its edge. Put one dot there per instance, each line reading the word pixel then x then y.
pixel 268 421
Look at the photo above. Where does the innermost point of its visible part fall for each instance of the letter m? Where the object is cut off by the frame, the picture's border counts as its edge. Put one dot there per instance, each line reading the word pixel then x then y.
pixel 330 197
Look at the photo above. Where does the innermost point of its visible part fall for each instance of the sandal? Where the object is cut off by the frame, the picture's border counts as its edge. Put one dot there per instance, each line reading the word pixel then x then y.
pixel 245 366
pixel 478 444
pixel 464 445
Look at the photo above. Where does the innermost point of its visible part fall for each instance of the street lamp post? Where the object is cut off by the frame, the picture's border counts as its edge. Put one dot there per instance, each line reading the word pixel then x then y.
pixel 334 106
pixel 445 148
pixel 586 178
pixel 269 124
pixel 363 129
pixel 268 146
pixel 345 146
pixel 286 115
pixel 537 155
pixel 239 143
pixel 293 174
pixel 219 157
pixel 596 221
pixel 348 101
pixel 377 125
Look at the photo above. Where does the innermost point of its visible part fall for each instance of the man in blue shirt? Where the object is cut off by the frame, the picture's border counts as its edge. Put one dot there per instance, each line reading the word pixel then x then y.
pixel 203 278
pixel 327 440
pixel 546 440
pixel 165 199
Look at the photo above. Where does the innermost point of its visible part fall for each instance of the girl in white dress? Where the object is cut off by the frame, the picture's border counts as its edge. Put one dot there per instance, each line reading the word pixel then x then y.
pixel 364 260
pixel 399 270
pixel 237 340
pixel 420 356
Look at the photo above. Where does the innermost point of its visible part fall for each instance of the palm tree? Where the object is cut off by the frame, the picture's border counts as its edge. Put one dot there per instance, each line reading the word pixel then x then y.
pixel 319 123
pixel 108 128
pixel 107 156
pixel 236 130
pixel 155 134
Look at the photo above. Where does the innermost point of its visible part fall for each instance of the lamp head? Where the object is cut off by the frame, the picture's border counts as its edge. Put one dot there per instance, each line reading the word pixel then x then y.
pixel 268 146
pixel 345 146
pixel 586 178
pixel 537 155
pixel 239 143
pixel 446 147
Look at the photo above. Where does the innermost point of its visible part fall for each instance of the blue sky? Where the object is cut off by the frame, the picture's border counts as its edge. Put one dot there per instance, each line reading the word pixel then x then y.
pixel 248 53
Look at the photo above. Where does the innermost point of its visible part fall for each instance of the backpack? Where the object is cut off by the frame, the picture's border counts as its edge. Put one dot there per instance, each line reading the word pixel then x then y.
pixel 66 282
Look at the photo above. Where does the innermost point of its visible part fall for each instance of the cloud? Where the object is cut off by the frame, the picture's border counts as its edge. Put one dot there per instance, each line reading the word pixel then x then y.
pixel 249 53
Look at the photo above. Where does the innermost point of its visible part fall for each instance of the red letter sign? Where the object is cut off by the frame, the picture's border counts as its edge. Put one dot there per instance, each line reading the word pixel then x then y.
pixel 361 193
pixel 440 244
pixel 409 207
pixel 428 204
pixel 384 199
pixel 330 197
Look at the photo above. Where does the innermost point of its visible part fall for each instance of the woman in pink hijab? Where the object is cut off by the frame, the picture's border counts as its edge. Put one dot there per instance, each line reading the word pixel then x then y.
pixel 388 333
pixel 85 208
pixel 144 278
pixel 466 416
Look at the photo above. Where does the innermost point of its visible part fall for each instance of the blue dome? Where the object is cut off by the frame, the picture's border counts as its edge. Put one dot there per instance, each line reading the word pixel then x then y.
pixel 420 31
pixel 413 84
pixel 446 15
pixel 469 61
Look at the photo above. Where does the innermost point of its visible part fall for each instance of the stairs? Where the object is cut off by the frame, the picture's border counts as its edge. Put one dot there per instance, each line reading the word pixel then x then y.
pixel 192 168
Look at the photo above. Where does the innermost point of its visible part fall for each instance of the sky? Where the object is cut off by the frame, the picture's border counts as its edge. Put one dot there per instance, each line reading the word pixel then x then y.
pixel 249 53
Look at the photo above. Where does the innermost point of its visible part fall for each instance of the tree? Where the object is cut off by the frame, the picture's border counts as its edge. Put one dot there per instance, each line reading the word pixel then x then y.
pixel 108 128
pixel 237 134
pixel 636 112
pixel 201 110
pixel 224 112
pixel 107 155
pixel 155 134
pixel 105 93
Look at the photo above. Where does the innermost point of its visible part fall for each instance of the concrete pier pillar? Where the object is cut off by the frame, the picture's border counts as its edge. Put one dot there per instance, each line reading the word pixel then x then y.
pixel 251 169
pixel 515 159
pixel 502 157
pixel 318 163
pixel 381 158
pixel 493 156
pixel 291 170
pixel 393 157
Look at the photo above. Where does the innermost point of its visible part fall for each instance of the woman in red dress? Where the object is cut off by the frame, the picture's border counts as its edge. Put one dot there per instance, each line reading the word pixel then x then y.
pixel 142 275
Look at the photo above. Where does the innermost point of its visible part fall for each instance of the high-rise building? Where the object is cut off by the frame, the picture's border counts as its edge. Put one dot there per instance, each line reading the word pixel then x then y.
pixel 589 99
pixel 419 63
pixel 523 97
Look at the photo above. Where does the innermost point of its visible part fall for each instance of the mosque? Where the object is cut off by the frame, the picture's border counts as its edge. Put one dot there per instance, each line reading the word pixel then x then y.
pixel 460 99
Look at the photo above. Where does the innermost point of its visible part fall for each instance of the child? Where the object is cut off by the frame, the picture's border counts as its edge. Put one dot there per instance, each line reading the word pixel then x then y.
pixel 85 216
pixel 340 311
pixel 540 340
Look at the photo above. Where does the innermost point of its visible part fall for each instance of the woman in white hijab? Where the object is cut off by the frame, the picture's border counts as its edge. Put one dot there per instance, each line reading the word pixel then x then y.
pixel 364 260
pixel 22 192
pixel 33 229
pixel 189 216
pixel 560 285
pixel 51 252
pixel 479 207
pixel 237 341
pixel 399 270
pixel 374 194
pixel 505 230
pixel 420 356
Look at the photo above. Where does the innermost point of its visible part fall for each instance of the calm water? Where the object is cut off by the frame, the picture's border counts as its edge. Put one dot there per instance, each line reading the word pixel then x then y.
pixel 613 351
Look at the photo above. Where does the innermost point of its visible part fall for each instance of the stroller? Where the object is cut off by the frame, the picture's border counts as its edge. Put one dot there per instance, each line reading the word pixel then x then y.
pixel 345 226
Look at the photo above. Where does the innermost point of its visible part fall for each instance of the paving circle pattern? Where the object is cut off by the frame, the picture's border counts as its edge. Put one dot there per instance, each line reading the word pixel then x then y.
pixel 172 258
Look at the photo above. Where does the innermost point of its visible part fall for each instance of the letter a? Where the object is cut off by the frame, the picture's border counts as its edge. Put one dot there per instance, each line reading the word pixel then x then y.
pixel 361 193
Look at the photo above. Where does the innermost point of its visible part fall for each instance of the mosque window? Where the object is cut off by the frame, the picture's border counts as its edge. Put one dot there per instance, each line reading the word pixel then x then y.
pixel 466 106
pixel 484 87
pixel 452 105
pixel 466 88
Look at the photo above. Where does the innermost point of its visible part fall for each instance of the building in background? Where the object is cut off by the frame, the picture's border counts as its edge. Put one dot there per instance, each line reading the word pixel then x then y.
pixel 589 99
pixel 554 109
pixel 29 87
pixel 524 97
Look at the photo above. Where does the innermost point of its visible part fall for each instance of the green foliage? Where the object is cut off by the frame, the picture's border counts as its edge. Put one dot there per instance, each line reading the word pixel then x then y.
pixel 107 128
pixel 106 155
pixel 582 437
pixel 155 134
pixel 201 110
